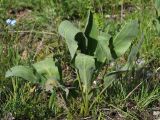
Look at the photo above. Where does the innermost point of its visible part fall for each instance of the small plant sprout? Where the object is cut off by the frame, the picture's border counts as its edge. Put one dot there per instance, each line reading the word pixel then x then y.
pixel 91 49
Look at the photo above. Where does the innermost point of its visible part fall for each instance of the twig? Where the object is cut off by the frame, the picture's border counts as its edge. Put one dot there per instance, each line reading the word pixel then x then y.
pixel 86 118
pixel 39 32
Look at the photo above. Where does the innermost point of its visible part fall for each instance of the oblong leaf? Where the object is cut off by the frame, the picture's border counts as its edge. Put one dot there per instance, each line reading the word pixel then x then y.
pixel 47 68
pixel 91 29
pixel 69 32
pixel 86 66
pixel 24 72
pixel 123 39
pixel 91 32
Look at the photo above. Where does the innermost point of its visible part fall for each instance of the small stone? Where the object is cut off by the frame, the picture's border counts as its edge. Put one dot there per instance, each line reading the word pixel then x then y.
pixel 11 22
pixel 156 113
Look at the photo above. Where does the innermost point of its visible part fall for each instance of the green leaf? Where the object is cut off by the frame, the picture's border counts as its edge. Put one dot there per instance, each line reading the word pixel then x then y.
pixel 69 32
pixel 91 32
pixel 157 6
pixel 102 50
pixel 86 66
pixel 24 72
pixel 48 69
pixel 91 29
pixel 132 56
pixel 123 39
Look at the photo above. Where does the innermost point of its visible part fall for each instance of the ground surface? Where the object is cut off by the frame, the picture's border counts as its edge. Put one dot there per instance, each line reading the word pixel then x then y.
pixel 135 95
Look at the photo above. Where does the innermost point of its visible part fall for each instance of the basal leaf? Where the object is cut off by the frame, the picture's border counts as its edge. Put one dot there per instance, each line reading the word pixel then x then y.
pixel 45 73
pixel 102 50
pixel 91 32
pixel 47 68
pixel 69 32
pixel 86 66
pixel 24 72
pixel 123 39
pixel 91 29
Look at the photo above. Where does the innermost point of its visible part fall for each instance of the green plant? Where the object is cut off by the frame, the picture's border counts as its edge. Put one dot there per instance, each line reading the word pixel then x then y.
pixel 39 72
pixel 45 73
pixel 91 49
